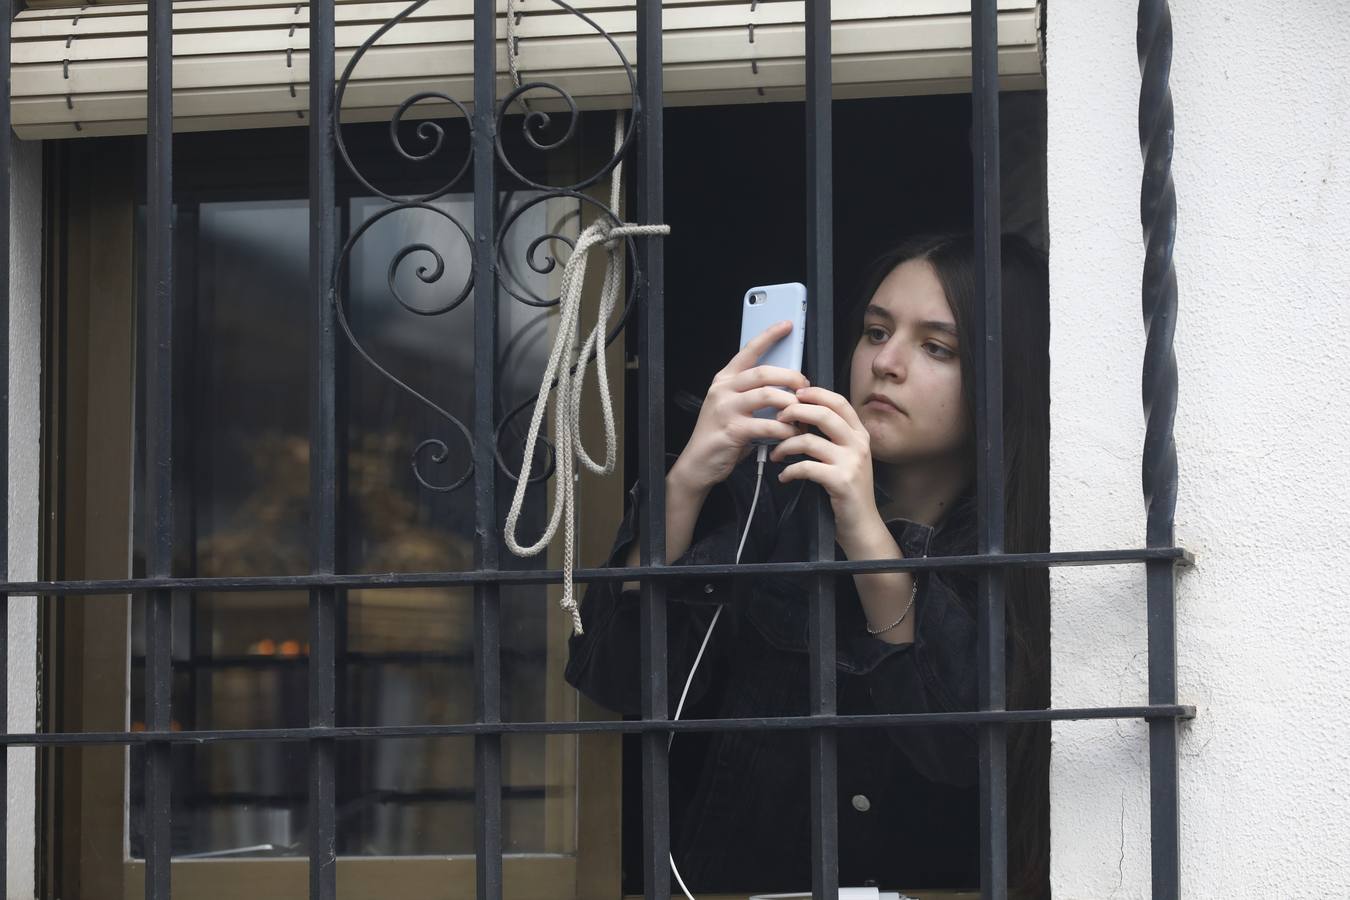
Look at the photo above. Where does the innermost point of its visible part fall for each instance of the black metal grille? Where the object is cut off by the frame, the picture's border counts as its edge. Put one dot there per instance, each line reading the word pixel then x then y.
pixel 326 580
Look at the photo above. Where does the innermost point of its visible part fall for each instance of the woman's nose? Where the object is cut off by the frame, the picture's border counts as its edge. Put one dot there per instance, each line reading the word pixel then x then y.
pixel 889 363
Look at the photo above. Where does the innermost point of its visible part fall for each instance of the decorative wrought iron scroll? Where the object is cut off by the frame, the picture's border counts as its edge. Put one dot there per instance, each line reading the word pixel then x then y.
pixel 538 128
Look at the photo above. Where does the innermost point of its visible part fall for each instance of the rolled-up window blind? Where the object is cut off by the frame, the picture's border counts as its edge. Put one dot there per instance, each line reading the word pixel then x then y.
pixel 80 70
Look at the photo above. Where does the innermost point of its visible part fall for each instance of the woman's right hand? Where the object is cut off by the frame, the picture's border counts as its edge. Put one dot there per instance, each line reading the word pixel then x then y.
pixel 727 427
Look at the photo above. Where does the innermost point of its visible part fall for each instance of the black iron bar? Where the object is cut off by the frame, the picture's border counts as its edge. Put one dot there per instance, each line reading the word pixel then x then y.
pixel 823 674
pixel 158 301
pixel 5 164
pixel 1158 215
pixel 323 456
pixel 1164 805
pixel 1168 555
pixel 486 609
pixel 649 205
pixel 413 796
pixel 357 658
pixel 625 726
pixel 993 736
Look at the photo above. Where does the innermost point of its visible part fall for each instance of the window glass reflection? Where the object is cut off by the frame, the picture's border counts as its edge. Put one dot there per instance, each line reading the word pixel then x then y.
pixel 241 424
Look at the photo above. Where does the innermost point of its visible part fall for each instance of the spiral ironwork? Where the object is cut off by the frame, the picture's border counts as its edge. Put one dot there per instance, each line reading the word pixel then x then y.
pixel 534 125
pixel 548 263
pixel 440 450
pixel 429 132
pixel 535 122
pixel 1158 214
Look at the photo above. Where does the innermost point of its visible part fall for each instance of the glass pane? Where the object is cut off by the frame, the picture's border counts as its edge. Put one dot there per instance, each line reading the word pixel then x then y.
pixel 404 656
pixel 242 490
pixel 409 652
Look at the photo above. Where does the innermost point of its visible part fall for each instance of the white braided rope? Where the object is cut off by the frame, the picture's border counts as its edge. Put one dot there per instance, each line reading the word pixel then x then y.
pixel 571 382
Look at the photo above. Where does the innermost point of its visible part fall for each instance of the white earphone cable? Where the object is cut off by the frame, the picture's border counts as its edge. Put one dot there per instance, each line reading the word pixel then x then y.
pixel 760 455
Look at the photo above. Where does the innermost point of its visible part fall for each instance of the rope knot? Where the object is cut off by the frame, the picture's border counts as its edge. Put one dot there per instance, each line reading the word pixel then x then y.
pixel 611 233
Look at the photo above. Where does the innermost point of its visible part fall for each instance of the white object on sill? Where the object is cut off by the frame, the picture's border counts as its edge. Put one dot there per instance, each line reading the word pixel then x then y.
pixel 845 893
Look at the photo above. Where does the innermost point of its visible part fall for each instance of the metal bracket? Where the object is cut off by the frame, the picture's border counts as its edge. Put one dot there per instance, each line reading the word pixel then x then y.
pixel 290 63
pixel 754 63
pixel 65 65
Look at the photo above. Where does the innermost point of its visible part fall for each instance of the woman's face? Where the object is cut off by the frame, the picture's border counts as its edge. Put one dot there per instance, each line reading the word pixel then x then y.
pixel 905 379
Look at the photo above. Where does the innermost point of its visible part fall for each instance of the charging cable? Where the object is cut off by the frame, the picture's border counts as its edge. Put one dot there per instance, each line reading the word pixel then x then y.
pixel 865 893
pixel 761 455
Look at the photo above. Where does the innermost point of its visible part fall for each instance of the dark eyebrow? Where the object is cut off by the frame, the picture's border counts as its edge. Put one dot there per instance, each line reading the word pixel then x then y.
pixel 945 327
pixel 878 312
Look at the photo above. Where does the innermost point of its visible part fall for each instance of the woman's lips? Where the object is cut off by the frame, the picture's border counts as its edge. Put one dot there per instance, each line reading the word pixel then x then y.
pixel 880 402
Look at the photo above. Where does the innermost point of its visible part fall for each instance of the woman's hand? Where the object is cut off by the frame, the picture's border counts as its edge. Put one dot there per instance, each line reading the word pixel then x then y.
pixel 840 462
pixel 726 424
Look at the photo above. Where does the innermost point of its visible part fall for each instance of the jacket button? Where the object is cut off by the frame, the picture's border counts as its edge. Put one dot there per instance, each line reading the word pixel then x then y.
pixel 861 803
pixel 708 589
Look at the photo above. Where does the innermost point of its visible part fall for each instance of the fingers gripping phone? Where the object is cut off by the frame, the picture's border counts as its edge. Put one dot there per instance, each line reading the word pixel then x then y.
pixel 767 305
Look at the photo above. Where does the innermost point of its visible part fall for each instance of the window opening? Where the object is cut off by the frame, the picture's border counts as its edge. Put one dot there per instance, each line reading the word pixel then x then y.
pixel 325 582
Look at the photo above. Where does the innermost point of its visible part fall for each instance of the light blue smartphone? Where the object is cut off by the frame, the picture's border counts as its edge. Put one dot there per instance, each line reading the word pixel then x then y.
pixel 766 305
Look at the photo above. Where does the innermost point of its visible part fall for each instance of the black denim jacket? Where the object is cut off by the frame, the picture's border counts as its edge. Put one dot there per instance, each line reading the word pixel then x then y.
pixel 739 801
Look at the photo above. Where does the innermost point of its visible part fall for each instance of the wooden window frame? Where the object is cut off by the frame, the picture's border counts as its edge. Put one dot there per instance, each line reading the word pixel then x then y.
pixel 89 414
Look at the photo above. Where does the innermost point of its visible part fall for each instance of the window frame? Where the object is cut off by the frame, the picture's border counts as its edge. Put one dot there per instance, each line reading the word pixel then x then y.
pixel 89 388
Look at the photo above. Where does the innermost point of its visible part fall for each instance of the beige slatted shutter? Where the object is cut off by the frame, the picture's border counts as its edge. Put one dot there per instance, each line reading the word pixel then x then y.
pixel 244 63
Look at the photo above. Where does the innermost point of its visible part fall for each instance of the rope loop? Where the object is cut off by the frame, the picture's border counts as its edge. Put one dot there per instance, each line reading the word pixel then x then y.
pixel 567 367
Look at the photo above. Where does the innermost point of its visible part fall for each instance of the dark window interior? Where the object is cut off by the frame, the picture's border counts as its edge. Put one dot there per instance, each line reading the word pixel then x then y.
pixel 735 193
pixel 735 202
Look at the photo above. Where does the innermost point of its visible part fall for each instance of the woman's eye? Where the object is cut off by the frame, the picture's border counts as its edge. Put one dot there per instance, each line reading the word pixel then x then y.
pixel 875 335
pixel 938 350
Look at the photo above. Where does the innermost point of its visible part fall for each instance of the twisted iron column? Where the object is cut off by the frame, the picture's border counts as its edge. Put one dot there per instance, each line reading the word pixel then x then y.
pixel 1158 214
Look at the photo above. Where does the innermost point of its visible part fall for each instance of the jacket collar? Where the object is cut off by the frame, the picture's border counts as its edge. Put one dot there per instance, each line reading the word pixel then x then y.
pixel 953 535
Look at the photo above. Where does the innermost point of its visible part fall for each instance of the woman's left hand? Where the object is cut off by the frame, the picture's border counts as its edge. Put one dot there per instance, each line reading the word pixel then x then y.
pixel 840 460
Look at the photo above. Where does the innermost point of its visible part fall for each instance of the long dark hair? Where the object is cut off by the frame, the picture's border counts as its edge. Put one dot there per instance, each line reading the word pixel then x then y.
pixel 1026 440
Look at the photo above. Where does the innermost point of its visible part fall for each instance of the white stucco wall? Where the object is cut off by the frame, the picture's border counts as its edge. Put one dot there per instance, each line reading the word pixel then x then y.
pixel 25 367
pixel 1262 96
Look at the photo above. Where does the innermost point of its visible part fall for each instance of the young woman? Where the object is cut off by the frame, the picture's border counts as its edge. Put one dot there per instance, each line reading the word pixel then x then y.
pixel 894 456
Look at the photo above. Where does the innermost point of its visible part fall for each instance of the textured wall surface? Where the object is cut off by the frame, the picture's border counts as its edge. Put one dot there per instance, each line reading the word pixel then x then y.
pixel 25 368
pixel 1262 96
